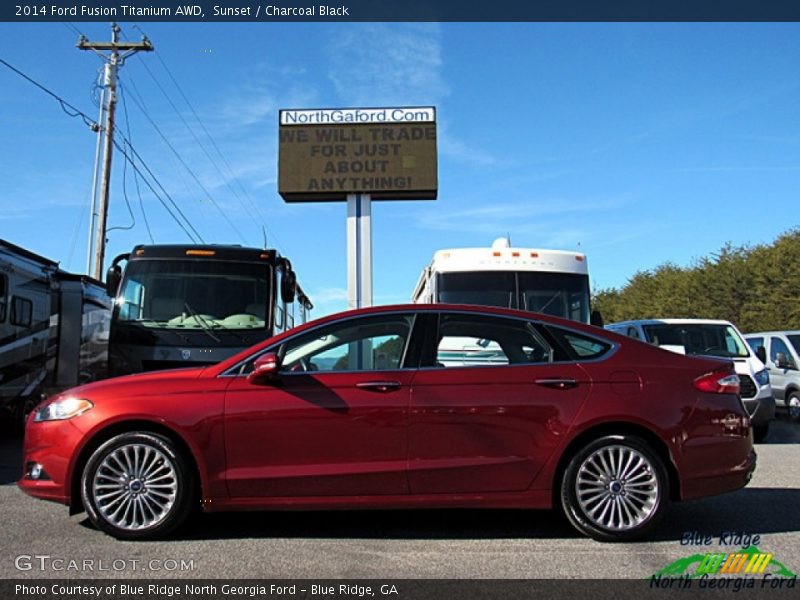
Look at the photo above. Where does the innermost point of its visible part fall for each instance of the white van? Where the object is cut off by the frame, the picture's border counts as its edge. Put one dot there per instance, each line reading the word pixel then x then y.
pixel 719 339
pixel 780 350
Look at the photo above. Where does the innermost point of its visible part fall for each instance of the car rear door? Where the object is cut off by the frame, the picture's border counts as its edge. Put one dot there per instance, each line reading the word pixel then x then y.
pixel 490 407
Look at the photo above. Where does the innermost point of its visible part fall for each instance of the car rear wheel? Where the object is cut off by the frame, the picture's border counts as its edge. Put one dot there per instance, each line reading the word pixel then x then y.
pixel 615 489
pixel 793 406
pixel 137 486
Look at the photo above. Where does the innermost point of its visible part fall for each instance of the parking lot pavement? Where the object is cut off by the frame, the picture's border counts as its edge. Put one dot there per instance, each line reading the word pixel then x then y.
pixel 781 431
pixel 405 544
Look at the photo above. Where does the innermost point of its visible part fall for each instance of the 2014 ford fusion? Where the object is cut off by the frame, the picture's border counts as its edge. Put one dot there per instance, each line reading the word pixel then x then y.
pixel 400 407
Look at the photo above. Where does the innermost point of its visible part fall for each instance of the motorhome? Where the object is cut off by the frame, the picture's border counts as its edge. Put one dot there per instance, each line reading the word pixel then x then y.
pixel 186 305
pixel 53 329
pixel 554 282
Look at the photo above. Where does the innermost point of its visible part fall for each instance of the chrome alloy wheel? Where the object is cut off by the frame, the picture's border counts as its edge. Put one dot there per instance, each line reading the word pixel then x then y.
pixel 135 486
pixel 617 488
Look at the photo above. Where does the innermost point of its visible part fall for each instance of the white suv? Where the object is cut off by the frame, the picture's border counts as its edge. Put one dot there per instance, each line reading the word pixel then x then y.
pixel 720 339
pixel 781 354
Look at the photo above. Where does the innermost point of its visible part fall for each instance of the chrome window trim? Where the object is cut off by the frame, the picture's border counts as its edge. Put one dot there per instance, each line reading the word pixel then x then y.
pixel 613 346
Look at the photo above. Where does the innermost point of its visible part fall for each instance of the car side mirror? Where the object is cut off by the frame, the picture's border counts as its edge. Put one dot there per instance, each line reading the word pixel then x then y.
pixel 596 319
pixel 265 368
pixel 782 362
pixel 761 353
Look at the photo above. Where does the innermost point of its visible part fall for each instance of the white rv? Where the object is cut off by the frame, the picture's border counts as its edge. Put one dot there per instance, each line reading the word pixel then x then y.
pixel 53 328
pixel 554 282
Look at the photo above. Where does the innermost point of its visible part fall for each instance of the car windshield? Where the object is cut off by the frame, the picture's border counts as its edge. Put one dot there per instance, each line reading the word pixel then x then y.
pixel 194 294
pixel 702 339
pixel 795 341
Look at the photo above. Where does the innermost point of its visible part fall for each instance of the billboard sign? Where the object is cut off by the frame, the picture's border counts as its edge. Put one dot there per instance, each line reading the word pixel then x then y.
pixel 326 154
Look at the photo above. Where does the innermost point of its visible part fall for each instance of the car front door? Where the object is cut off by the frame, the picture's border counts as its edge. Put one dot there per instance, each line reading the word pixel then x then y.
pixel 491 407
pixel 333 421
pixel 780 374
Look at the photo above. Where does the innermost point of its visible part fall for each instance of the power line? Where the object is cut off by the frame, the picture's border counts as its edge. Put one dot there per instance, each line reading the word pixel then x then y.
pixel 231 173
pixel 196 139
pixel 95 127
pixel 125 182
pixel 121 150
pixel 63 103
pixel 140 103
pixel 72 27
pixel 135 175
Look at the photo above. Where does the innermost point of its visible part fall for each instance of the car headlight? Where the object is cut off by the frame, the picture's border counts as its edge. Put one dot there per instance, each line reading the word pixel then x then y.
pixel 762 377
pixel 65 408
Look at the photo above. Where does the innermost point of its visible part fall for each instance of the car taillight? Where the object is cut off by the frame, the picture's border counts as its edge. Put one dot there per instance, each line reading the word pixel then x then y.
pixel 718 382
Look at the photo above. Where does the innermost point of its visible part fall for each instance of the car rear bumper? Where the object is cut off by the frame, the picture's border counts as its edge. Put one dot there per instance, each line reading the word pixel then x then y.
pixel 718 483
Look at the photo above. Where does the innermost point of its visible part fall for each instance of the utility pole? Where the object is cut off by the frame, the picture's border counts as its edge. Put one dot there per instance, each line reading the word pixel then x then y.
pixel 113 61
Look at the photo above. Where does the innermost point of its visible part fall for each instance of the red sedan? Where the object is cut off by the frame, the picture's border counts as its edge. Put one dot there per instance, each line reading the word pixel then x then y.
pixel 399 407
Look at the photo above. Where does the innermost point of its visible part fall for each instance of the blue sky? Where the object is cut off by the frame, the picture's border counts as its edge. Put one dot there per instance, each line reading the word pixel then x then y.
pixel 635 143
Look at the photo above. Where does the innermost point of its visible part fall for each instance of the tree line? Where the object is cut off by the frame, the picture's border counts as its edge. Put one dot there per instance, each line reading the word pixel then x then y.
pixel 755 287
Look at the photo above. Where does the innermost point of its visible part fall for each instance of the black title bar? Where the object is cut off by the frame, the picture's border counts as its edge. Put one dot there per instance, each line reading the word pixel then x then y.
pixel 400 10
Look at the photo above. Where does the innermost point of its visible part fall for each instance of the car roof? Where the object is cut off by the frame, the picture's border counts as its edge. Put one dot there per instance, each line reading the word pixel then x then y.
pixel 672 322
pixel 781 332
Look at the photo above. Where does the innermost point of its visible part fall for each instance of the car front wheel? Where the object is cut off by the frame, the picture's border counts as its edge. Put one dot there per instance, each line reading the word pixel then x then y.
pixel 615 489
pixel 137 486
pixel 793 406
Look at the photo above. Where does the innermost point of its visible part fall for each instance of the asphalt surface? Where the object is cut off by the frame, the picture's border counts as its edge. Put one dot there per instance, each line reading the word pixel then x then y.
pixel 36 535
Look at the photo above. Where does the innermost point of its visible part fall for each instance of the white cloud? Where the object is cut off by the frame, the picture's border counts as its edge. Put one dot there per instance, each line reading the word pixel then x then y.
pixel 383 64
pixel 497 218
pixel 377 64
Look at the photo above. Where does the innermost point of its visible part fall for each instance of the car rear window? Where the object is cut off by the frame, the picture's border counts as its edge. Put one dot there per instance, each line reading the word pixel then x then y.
pixel 581 346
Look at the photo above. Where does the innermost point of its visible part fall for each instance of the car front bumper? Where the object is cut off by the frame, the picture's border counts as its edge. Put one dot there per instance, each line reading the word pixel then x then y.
pixel 51 446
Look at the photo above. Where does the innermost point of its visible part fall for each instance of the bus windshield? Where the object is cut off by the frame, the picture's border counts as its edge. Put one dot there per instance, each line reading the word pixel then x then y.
pixel 558 294
pixel 194 294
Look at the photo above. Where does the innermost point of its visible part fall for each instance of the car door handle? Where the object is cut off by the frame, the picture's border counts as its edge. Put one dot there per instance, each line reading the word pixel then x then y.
pixel 379 386
pixel 557 384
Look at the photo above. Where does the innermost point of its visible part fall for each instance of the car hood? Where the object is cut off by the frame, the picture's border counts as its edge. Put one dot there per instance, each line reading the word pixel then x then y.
pixel 169 380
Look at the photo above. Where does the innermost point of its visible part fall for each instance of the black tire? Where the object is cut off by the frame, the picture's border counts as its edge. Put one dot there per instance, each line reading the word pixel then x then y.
pixel 643 492
pixel 760 432
pixel 794 413
pixel 26 407
pixel 118 497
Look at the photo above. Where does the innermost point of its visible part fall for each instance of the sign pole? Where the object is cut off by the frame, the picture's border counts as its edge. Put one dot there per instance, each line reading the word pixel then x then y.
pixel 359 250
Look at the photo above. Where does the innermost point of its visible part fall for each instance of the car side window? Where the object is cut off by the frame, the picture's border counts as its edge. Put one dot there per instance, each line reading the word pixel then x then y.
pixel 471 340
pixel 778 346
pixel 755 343
pixel 363 344
pixel 580 345
pixel 633 333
